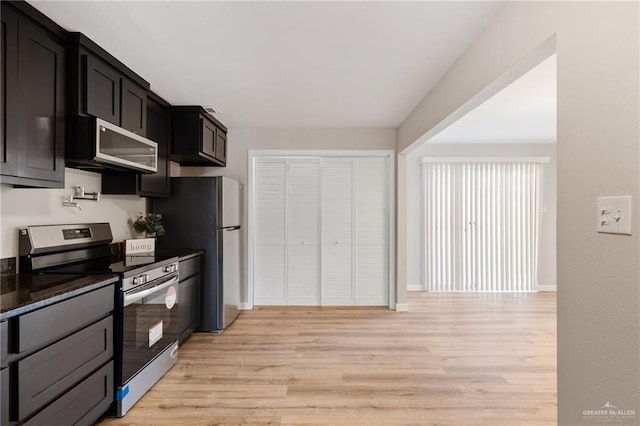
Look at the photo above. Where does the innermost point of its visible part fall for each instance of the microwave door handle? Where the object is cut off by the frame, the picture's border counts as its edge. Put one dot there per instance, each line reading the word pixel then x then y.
pixel 134 297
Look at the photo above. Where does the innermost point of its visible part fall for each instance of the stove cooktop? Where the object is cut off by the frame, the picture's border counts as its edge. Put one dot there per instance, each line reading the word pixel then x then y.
pixel 116 264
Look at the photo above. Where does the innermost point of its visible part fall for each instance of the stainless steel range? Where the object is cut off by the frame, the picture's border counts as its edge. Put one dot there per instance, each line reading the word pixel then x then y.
pixel 146 316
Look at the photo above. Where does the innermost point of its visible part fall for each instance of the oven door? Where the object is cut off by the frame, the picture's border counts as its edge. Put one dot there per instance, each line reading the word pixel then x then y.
pixel 150 323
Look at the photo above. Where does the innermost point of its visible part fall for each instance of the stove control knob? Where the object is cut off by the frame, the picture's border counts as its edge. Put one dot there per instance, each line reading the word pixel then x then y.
pixel 135 281
pixel 144 278
pixel 170 268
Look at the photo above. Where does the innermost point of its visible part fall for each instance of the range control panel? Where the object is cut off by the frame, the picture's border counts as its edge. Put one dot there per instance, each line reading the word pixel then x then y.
pixel 74 234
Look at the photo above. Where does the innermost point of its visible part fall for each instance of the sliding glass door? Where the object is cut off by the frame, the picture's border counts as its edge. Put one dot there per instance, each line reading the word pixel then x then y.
pixel 481 224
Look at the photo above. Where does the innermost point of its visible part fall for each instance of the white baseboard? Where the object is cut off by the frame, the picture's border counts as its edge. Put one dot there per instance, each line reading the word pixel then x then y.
pixel 245 306
pixel 402 307
pixel 547 288
pixel 415 287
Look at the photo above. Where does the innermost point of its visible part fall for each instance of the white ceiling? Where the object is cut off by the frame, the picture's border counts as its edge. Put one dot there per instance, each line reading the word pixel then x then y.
pixel 524 111
pixel 285 64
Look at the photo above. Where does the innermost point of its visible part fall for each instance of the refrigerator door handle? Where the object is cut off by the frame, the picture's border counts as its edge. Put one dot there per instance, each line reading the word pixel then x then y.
pixel 230 228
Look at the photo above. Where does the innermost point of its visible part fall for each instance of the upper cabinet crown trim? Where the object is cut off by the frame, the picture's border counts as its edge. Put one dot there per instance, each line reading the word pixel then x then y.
pixel 200 110
pixel 89 44
pixel 38 17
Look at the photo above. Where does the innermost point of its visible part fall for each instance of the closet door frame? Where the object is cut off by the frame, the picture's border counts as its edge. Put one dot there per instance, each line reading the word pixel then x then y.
pixel 254 154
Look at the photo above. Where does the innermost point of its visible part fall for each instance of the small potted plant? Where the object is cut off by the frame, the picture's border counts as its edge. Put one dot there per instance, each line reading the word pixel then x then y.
pixel 149 224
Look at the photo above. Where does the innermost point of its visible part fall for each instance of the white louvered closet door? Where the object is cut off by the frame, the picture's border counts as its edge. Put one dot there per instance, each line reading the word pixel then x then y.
pixel 371 216
pixel 303 231
pixel 270 246
pixel 321 231
pixel 337 232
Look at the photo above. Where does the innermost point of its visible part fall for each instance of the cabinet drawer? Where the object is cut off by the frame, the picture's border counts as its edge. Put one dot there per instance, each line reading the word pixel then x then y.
pixel 83 404
pixel 53 322
pixel 4 342
pixel 190 267
pixel 45 375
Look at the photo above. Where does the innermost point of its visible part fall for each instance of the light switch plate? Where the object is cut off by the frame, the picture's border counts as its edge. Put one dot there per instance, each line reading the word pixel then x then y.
pixel 614 215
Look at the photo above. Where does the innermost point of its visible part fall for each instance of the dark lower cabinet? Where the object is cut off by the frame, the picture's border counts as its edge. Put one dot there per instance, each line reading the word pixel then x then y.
pixel 189 296
pixel 4 396
pixel 64 377
pixel 33 104
pixel 4 343
pixel 158 129
pixel 83 404
pixel 47 374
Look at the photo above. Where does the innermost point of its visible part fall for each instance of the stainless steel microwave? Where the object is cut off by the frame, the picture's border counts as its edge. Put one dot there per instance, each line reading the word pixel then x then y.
pixel 95 144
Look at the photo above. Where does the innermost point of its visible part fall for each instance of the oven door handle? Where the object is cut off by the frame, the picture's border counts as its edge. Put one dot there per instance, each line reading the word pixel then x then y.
pixel 134 297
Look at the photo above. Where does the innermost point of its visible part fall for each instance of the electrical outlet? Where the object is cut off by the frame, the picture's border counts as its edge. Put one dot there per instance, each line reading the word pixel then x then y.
pixel 614 215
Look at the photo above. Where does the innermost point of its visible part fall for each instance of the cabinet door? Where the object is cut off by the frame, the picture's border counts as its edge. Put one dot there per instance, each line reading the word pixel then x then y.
pixel 134 108
pixel 48 373
pixel 208 138
pixel 4 396
pixel 189 303
pixel 371 216
pixel 81 405
pixel 101 90
pixel 158 130
pixel 336 200
pixel 9 116
pixel 303 231
pixel 221 146
pixel 41 86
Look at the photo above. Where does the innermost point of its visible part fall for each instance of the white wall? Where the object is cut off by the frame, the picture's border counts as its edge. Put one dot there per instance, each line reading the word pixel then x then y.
pixel 26 206
pixel 547 259
pixel 240 141
pixel 598 154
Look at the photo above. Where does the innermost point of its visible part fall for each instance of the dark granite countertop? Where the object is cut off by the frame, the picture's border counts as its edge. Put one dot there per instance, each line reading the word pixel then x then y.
pixel 23 293
pixel 183 254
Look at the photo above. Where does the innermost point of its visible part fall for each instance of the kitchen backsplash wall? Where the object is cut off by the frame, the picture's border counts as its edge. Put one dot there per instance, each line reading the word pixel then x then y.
pixel 20 207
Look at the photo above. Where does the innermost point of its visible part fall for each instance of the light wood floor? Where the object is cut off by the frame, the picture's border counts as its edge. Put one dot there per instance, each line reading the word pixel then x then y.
pixel 453 359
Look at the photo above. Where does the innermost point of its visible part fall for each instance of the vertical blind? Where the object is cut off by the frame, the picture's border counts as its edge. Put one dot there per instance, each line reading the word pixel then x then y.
pixel 481 225
pixel 321 231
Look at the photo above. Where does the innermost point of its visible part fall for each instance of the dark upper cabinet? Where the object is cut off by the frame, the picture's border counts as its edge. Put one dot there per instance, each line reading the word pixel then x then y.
pixel 209 138
pixel 158 129
pixel 198 138
pixel 101 91
pixel 221 146
pixel 103 87
pixel 33 104
pixel 134 107
pixel 9 67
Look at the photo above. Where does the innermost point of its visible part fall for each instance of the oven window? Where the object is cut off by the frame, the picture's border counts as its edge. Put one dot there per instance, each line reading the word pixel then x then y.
pixel 149 326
